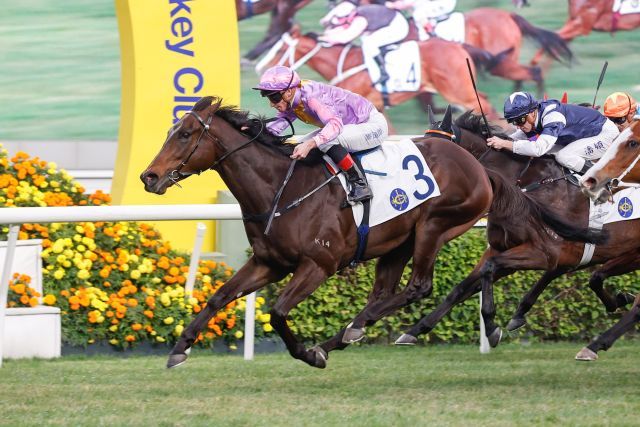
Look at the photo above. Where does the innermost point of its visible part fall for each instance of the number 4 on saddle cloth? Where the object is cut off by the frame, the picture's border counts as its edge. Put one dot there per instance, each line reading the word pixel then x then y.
pixel 399 178
pixel 402 62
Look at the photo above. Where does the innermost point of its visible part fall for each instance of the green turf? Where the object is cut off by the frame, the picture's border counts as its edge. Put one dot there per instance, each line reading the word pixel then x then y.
pixel 516 385
pixel 60 67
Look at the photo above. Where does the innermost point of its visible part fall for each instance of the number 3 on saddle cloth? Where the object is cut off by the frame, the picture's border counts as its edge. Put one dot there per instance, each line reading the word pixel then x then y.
pixel 399 178
pixel 402 62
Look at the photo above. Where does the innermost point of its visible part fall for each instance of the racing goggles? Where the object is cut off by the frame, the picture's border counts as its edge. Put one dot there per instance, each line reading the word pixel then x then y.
pixel 274 97
pixel 518 121
pixel 618 120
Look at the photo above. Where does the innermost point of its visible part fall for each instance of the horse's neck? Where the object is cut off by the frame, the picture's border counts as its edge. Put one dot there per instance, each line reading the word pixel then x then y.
pixel 254 175
pixel 577 7
pixel 325 61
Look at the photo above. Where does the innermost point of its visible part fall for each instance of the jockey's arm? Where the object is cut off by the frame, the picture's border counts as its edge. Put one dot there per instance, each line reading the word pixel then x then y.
pixel 543 144
pixel 332 123
pixel 277 126
pixel 341 35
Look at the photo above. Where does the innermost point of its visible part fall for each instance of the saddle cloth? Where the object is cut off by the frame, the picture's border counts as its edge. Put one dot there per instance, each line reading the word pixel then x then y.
pixel 625 206
pixel 399 178
pixel 451 29
pixel 403 66
pixel 627 7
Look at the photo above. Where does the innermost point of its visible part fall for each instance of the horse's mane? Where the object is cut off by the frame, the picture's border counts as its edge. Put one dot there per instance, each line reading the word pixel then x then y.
pixel 475 124
pixel 253 127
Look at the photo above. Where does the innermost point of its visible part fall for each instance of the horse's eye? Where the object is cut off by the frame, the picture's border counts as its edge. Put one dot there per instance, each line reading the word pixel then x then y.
pixel 633 143
pixel 185 134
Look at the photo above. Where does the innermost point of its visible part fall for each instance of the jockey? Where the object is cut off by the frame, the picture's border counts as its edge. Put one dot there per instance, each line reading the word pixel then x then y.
pixel 426 13
pixel 621 109
pixel 574 134
pixel 347 121
pixel 377 26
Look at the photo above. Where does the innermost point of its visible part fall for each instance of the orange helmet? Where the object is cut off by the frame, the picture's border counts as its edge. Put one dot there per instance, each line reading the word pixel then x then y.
pixel 619 104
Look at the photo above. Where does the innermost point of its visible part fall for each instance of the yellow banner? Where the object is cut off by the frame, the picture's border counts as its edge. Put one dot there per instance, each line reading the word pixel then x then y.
pixel 173 52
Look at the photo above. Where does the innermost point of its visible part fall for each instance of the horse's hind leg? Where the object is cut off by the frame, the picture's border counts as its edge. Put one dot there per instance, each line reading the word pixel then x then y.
pixel 623 264
pixel 251 277
pixel 606 340
pixel 518 319
pixel 388 273
pixel 306 279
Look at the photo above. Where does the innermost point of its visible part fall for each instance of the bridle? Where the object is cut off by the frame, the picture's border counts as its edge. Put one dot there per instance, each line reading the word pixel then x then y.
pixel 176 175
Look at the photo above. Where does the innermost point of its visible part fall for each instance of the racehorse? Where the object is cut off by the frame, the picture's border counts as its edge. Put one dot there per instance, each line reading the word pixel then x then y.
pixel 588 15
pixel 282 13
pixel 319 237
pixel 620 162
pixel 496 30
pixel 444 69
pixel 513 246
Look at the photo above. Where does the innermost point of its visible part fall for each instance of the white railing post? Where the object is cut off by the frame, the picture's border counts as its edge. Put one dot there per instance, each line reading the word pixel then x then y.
pixel 195 259
pixel 249 326
pixel 4 281
pixel 484 341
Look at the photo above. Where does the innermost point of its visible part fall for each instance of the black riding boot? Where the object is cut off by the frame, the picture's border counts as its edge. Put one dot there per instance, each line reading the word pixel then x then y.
pixel 588 164
pixel 383 70
pixel 358 188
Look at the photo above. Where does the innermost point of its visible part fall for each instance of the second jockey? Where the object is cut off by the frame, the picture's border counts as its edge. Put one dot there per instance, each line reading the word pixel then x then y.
pixel 575 135
pixel 348 122
pixel 426 13
pixel 376 25
pixel 621 109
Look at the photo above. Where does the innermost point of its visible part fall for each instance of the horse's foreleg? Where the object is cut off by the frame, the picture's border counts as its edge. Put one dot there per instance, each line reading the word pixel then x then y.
pixel 606 340
pixel 614 267
pixel 523 257
pixel 306 279
pixel 388 273
pixel 518 319
pixel 251 277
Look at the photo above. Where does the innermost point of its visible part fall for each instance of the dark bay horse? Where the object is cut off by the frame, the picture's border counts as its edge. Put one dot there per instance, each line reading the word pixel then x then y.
pixel 319 237
pixel 513 246
pixel 444 69
pixel 593 15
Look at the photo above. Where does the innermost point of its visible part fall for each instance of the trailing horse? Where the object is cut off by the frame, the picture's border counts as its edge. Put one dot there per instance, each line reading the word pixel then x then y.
pixel 317 238
pixel 515 245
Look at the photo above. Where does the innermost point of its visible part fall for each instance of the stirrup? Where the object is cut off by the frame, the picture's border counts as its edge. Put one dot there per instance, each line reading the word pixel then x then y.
pixel 573 179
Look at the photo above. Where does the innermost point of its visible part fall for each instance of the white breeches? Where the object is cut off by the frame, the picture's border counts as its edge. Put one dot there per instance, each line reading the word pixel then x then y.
pixel 358 137
pixel 573 156
pixel 396 31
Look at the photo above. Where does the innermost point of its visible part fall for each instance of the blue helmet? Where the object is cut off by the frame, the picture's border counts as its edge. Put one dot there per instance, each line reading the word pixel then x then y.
pixel 518 104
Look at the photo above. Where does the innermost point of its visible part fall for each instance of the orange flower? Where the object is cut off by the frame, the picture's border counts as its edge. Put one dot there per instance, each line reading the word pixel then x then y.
pixel 148 313
pixel 130 338
pixel 136 326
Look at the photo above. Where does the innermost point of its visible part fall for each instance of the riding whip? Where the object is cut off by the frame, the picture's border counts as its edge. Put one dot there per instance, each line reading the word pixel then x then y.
pixel 473 81
pixel 604 70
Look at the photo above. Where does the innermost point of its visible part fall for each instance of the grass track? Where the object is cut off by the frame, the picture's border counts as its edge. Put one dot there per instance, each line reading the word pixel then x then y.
pixel 539 384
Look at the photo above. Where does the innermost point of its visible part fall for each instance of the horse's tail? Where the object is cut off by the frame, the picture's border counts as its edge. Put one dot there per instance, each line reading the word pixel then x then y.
pixel 484 60
pixel 512 206
pixel 549 41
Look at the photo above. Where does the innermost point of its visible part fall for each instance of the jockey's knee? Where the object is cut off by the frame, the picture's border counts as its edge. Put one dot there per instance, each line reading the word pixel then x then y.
pixel 570 160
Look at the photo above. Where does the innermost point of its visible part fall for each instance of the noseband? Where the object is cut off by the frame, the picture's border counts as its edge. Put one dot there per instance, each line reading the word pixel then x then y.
pixel 176 175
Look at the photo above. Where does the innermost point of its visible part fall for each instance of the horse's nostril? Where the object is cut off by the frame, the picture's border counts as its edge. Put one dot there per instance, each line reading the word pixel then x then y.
pixel 589 183
pixel 149 178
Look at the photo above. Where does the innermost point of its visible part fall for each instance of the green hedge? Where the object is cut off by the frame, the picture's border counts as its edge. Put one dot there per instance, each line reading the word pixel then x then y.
pixel 567 310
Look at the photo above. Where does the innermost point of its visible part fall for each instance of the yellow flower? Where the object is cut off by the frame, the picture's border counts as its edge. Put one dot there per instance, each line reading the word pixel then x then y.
pixel 267 327
pixel 59 274
pixel 66 264
pixel 165 299
pixel 135 274
pixel 259 300
pixel 83 274
pixel 61 258
pixel 113 328
pixel 168 320
pixel 238 334
pixel 160 339
pixel 113 341
pixel 178 330
pixel 265 318
pixel 193 301
pixel 81 248
pixel 49 299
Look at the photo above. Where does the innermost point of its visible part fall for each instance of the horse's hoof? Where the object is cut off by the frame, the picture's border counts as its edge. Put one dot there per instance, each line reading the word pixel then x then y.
pixel 321 357
pixel 587 355
pixel 624 298
pixel 495 337
pixel 516 323
pixel 406 339
pixel 352 335
pixel 176 360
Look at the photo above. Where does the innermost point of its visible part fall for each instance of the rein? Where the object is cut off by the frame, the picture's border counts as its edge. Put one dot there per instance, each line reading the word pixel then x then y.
pixel 617 182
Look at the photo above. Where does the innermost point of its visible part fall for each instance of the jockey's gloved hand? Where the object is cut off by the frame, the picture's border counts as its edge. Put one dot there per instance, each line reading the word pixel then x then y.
pixel 292 140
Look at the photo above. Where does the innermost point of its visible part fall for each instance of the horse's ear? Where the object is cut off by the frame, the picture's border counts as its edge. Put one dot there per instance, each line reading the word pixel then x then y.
pixel 430 116
pixel 445 124
pixel 216 104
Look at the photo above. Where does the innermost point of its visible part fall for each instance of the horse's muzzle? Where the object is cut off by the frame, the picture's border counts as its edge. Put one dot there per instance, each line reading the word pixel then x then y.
pixel 152 183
